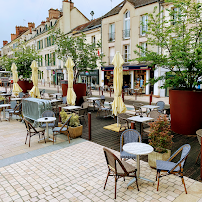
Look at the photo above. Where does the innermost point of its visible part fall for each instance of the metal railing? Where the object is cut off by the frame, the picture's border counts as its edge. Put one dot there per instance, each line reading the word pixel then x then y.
pixel 126 33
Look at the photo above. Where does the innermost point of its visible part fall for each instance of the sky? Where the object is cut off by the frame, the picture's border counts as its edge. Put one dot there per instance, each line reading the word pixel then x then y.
pixel 20 12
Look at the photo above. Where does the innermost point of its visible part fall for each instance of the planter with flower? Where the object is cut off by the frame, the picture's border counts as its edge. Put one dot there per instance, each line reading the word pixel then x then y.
pixel 160 139
pixel 75 128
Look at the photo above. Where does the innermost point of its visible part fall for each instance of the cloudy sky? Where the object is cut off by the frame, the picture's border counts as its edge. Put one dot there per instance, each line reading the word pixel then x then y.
pixel 20 12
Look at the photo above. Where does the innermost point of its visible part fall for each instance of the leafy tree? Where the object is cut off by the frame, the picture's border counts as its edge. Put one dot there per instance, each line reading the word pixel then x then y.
pixel 84 55
pixel 22 56
pixel 179 38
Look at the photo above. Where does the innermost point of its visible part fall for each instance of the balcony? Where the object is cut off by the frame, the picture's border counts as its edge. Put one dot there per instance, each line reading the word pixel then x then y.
pixel 126 57
pixel 112 37
pixel 126 34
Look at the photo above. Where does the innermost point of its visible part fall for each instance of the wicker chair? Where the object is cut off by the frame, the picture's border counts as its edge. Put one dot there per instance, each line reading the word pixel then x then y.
pixel 199 135
pixel 16 111
pixel 123 121
pixel 118 168
pixel 62 129
pixel 48 113
pixel 138 109
pixel 82 113
pixel 31 131
pixel 101 108
pixel 171 167
pixel 128 136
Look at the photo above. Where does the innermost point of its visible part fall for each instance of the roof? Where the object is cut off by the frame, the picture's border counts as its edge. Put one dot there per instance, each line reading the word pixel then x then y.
pixel 135 3
pixel 87 26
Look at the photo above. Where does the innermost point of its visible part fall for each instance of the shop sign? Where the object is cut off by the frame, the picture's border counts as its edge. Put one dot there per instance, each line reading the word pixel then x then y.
pixel 126 73
pixel 48 68
pixel 144 67
pixel 89 73
pixel 125 68
pixel 59 71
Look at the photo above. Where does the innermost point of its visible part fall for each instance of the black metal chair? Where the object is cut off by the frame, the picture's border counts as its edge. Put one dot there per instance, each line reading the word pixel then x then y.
pixel 171 167
pixel 199 135
pixel 118 168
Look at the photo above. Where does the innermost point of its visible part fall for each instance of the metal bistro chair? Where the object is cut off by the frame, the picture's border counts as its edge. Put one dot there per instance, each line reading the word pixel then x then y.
pixel 48 113
pixel 82 113
pixel 128 136
pixel 16 111
pixel 31 131
pixel 101 108
pixel 123 121
pixel 161 105
pixel 171 167
pixel 118 168
pixel 199 135
pixel 62 129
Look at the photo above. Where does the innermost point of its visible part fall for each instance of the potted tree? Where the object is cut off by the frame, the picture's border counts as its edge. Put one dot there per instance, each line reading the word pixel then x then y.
pixel 174 45
pixel 84 55
pixel 23 57
pixel 160 139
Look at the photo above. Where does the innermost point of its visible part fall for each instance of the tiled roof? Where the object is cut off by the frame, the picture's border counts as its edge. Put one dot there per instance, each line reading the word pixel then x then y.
pixel 87 26
pixel 136 3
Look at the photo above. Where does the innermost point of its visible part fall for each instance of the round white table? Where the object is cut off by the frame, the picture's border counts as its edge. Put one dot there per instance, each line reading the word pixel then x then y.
pixel 47 120
pixel 138 148
pixel 4 106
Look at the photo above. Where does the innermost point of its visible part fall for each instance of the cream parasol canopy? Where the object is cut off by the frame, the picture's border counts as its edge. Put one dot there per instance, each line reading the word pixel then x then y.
pixel 16 87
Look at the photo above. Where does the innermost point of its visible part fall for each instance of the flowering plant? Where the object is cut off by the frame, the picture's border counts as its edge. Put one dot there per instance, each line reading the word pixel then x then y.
pixel 160 135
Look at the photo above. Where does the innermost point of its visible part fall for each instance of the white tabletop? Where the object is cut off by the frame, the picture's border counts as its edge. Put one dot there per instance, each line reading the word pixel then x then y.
pixel 150 106
pixel 140 119
pixel 138 148
pixel 56 94
pixel 55 100
pixel 16 98
pixel 93 98
pixel 46 119
pixel 72 107
pixel 5 105
pixel 5 94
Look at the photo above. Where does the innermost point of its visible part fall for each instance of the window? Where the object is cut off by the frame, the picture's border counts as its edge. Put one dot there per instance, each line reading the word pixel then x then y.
pixel 93 40
pixel 39 44
pixel 51 24
pixel 112 32
pixel 126 53
pixel 144 47
pixel 47 60
pixel 126 31
pixel 40 29
pixel 40 61
pixel 143 25
pixel 175 15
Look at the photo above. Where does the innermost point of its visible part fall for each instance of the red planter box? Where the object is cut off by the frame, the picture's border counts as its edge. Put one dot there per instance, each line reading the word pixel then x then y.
pixel 186 110
pixel 79 89
pixel 25 85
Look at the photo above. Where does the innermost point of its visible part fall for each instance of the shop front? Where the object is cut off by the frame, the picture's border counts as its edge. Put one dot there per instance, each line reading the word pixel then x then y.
pixel 90 77
pixel 135 76
pixel 58 76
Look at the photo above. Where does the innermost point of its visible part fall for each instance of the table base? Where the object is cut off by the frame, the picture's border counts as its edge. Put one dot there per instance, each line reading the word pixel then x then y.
pixel 134 180
pixel 48 139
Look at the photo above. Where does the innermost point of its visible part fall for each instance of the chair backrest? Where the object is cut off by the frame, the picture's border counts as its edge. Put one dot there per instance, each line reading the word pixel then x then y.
pixel 84 105
pixel 154 114
pixel 82 111
pixel 28 125
pixel 18 107
pixel 137 106
pixel 65 123
pixel 184 149
pixel 112 161
pixel 161 105
pixel 122 118
pixel 97 102
pixel 199 135
pixel 48 113
pixel 13 104
pixel 128 136
pixel 21 94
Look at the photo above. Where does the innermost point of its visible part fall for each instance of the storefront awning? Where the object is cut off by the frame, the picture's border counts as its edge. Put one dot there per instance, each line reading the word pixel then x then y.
pixel 127 67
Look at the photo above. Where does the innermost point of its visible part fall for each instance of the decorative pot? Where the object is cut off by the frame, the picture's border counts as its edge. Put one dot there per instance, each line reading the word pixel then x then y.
pixel 79 89
pixel 25 85
pixel 153 156
pixel 186 110
pixel 75 132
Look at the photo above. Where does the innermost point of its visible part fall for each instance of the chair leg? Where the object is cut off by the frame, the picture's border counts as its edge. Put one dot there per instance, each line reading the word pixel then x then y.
pixel 183 182
pixel 106 179
pixel 44 137
pixel 68 136
pixel 158 176
pixel 29 139
pixel 53 138
pixel 198 156
pixel 26 139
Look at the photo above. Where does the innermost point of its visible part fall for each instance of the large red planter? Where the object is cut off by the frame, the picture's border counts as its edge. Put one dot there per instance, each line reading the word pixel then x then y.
pixel 186 111
pixel 79 89
pixel 25 85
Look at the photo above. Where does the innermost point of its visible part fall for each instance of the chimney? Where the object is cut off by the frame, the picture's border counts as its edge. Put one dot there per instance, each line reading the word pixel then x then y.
pixel 13 36
pixel 71 5
pixel 4 43
pixel 20 30
pixel 31 26
pixel 53 13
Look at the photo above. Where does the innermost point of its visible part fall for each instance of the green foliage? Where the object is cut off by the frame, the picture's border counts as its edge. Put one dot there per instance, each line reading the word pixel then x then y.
pixel 84 55
pixel 2 98
pixel 160 135
pixel 178 39
pixel 22 57
pixel 74 120
pixel 63 116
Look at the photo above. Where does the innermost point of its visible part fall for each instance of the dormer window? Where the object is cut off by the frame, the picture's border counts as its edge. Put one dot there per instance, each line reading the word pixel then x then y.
pixel 51 24
pixel 126 31
pixel 40 29
pixel 46 27
pixel 37 31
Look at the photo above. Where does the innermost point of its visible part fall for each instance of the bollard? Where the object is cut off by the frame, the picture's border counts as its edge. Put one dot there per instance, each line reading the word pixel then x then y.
pixel 99 90
pixel 49 84
pixel 102 92
pixel 132 125
pixel 59 114
pixel 150 98
pixel 41 82
pixel 44 83
pixel 58 88
pixel 201 159
pixel 9 99
pixel 123 95
pixel 110 92
pixel 89 125
pixel 54 85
